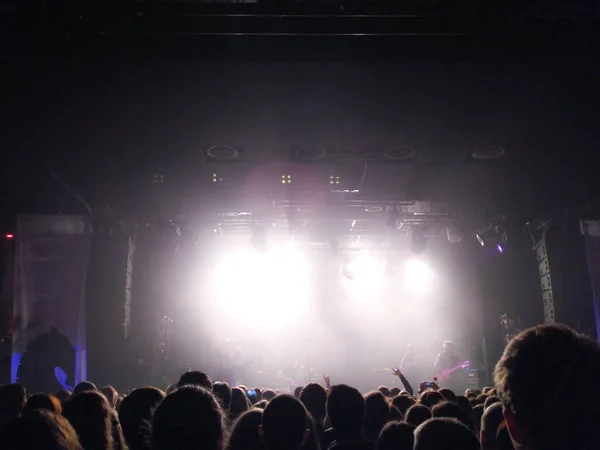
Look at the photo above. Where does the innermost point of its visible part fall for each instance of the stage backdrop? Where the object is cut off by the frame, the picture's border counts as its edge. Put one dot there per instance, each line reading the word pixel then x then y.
pixel 591 231
pixel 49 344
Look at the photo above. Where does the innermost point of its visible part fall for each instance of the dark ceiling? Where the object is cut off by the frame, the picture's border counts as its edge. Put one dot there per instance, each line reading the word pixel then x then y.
pixel 106 98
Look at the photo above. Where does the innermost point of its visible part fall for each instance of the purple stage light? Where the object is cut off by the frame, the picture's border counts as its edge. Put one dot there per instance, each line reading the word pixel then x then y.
pixel 499 248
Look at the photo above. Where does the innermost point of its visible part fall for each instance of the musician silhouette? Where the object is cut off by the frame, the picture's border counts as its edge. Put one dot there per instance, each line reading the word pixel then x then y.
pixel 448 367
pixel 48 363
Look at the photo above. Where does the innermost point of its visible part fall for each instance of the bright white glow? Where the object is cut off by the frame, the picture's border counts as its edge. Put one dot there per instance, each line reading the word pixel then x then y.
pixel 417 276
pixel 271 286
pixel 366 275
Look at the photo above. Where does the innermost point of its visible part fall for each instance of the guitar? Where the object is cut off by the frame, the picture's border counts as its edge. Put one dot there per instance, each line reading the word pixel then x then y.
pixel 444 375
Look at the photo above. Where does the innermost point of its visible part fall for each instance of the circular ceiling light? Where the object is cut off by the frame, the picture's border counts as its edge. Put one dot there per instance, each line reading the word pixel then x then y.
pixel 399 152
pixel 310 152
pixel 373 209
pixel 222 152
pixel 489 152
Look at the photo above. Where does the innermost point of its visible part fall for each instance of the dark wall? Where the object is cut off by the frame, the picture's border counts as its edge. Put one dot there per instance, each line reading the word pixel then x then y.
pixel 572 289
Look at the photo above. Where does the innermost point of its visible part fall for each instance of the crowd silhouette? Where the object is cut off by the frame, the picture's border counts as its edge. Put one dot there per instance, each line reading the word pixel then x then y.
pixel 536 403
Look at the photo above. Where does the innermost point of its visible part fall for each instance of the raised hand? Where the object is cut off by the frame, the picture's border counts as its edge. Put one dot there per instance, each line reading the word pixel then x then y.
pixel 327 379
pixel 397 372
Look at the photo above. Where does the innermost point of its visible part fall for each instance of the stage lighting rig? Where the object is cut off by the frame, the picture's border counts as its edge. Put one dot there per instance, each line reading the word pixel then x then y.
pixel 492 237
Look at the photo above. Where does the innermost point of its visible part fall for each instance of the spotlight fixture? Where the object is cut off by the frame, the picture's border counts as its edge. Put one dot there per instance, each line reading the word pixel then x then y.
pixel 419 241
pixel 334 179
pixel 286 179
pixel 493 237
pixel 500 245
pixel 480 239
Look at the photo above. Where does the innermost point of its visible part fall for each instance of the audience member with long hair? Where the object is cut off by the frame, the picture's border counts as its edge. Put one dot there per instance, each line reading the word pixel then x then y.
pixel 189 418
pixel 396 436
pixel 43 401
pixel 90 415
pixel 244 432
pixel 135 415
pixel 40 429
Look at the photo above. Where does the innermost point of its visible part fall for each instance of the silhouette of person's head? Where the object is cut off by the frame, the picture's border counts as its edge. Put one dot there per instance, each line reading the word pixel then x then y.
pixel 84 386
pixel 384 390
pixel 396 436
pixel 244 432
pixel 394 391
pixel 417 414
pixel 43 401
pixel 268 394
pixel 431 398
pixel 261 405
pixel 195 378
pixel 452 410
pixel 285 424
pixel 395 414
pixel 346 410
pixel 12 401
pixel 490 421
pixel 314 397
pixel 534 380
pixel 377 413
pixel 135 415
pixel 480 399
pixel 403 402
pixel 89 413
pixel 490 401
pixel 222 391
pixel 63 395
pixel 297 391
pixel 444 434
pixel 464 403
pixel 239 402
pixel 40 429
pixel 448 346
pixel 111 395
pixel 448 395
pixel 189 418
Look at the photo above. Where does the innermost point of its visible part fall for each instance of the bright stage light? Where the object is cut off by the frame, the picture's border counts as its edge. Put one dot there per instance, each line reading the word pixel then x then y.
pixel 365 274
pixel 364 267
pixel 417 276
pixel 273 286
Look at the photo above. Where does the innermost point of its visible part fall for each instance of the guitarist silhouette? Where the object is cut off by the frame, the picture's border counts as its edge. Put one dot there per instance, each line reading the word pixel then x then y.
pixel 449 366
